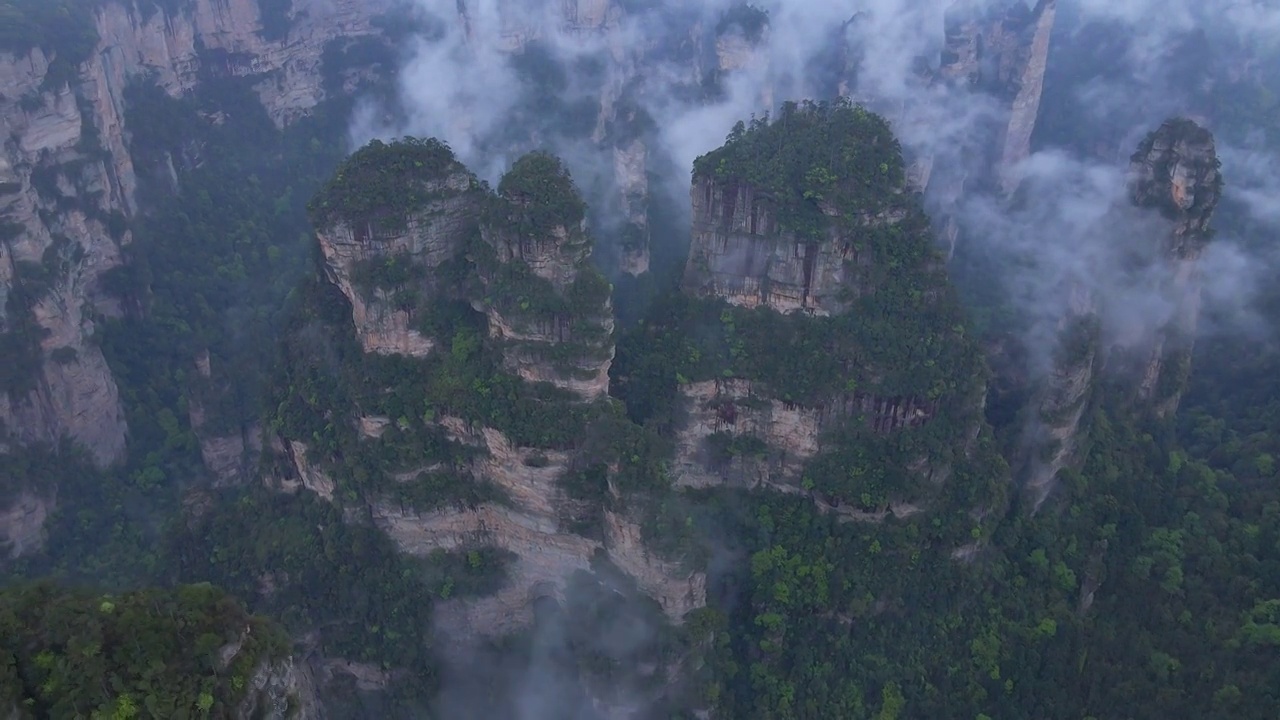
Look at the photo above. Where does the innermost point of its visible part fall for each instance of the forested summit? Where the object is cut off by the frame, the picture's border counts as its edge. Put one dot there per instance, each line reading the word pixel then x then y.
pixel 814 158
pixel 386 182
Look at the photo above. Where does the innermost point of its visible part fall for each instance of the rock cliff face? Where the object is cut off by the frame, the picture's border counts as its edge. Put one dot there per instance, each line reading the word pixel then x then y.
pixel 67 182
pixel 1002 51
pixel 281 689
pixel 61 189
pixel 1176 171
pixel 1054 436
pixel 22 524
pixel 825 245
pixel 532 526
pixel 227 37
pixel 739 253
pixel 791 434
pixel 68 187
pixel 383 271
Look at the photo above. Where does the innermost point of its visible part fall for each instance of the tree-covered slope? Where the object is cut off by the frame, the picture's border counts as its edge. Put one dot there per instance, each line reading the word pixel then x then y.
pixel 189 652
pixel 1143 588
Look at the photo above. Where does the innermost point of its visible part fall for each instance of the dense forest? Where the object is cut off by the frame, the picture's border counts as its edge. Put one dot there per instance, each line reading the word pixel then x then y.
pixel 188 652
pixel 897 574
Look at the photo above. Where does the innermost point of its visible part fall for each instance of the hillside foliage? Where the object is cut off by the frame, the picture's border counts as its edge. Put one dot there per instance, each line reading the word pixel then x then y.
pixel 188 652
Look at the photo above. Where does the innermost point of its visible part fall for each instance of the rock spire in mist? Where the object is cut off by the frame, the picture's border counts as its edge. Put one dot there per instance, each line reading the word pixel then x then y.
pixel 1175 172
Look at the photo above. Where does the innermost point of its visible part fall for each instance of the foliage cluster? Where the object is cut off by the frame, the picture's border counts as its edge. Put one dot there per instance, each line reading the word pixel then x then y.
pixel 1149 587
pixel 158 653
pixel 296 559
pixel 834 154
pixel 746 18
pixel 540 196
pixel 384 183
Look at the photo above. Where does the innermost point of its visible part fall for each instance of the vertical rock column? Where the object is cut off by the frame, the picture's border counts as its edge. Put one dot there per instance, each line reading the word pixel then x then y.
pixel 1176 171
pixel 548 307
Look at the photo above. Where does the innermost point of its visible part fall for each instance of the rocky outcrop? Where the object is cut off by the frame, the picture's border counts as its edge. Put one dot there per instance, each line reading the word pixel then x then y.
pixel 405 230
pixel 774 438
pixel 227 37
pixel 281 689
pixel 311 477
pixel 1053 437
pixel 820 245
pixel 385 273
pixel 550 311
pixel 740 254
pixel 532 527
pixel 1176 171
pixel 630 167
pixel 62 189
pixel 1002 51
pixel 22 524
pixel 229 456
pixel 788 435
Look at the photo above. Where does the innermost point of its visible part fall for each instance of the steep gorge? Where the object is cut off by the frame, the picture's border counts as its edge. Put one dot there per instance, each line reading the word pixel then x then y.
pixel 284 60
pixel 446 376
